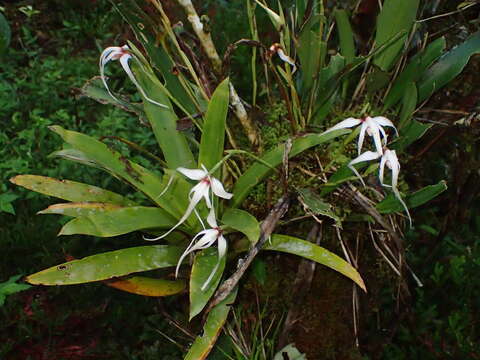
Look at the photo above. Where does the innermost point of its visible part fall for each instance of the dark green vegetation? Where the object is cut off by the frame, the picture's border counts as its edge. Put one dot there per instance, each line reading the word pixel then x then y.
pixel 39 74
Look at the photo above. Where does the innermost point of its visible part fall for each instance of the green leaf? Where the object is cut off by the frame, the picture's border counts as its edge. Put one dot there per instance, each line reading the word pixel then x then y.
pixel 409 105
pixel 244 222
pixel 289 352
pixel 69 190
pixel 119 221
pixel 174 145
pixel 258 171
pixel 94 89
pixel 409 134
pixel 396 17
pixel 79 209
pixel 108 265
pixel 203 265
pixel 145 286
pixel 147 182
pixel 345 33
pixel 317 206
pixel 311 50
pixel 259 270
pixel 308 250
pixel 6 200
pixel 216 318
pixel 329 85
pixel 10 287
pixel 213 130
pixel 5 34
pixel 414 70
pixel 448 67
pixel 391 204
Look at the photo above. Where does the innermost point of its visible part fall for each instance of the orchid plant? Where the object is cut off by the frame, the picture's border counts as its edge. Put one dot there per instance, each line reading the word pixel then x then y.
pixel 178 86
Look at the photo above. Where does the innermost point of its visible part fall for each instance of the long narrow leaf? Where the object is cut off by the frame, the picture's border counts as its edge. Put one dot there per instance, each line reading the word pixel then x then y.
pixel 119 221
pixel 391 204
pixel 174 145
pixel 203 265
pixel 145 286
pixel 216 318
pixel 69 190
pixel 448 67
pixel 396 17
pixel 108 265
pixel 78 209
pixel 308 250
pixel 213 131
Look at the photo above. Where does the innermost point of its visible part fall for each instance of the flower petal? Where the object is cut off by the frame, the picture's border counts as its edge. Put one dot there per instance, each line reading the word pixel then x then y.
pixel 194 174
pixel 383 121
pixel 286 59
pixel 189 249
pixel 222 250
pixel 375 130
pixel 126 67
pixel 211 220
pixel 218 189
pixel 347 123
pixel 366 156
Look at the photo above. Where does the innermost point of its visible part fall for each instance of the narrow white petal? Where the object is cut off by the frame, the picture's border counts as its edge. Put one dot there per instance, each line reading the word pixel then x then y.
pixel 399 197
pixel 194 174
pixel 376 139
pixel 383 121
pixel 102 76
pixel 286 59
pixel 395 166
pixel 222 250
pixel 366 156
pixel 211 218
pixel 361 137
pixel 188 250
pixel 195 198
pixel 218 189
pixel 124 61
pixel 381 173
pixel 347 123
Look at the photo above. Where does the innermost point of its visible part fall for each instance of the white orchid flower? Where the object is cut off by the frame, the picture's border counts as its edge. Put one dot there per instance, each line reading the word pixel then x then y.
pixel 277 48
pixel 207 187
pixel 388 158
pixel 372 126
pixel 207 238
pixel 123 55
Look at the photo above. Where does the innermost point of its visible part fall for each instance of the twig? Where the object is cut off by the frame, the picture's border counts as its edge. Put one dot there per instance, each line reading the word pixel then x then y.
pixel 267 227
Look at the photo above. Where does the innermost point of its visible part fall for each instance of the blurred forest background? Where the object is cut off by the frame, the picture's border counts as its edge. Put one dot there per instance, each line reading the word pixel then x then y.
pixel 54 49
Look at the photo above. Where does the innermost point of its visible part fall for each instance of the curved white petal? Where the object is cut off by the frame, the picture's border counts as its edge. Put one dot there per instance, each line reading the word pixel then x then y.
pixel 287 59
pixel 366 156
pixel 383 121
pixel 381 172
pixel 194 174
pixel 211 220
pixel 126 67
pixel 347 123
pixel 375 130
pixel 394 165
pixel 218 189
pixel 399 197
pixel 361 137
pixel 188 250
pixel 222 250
